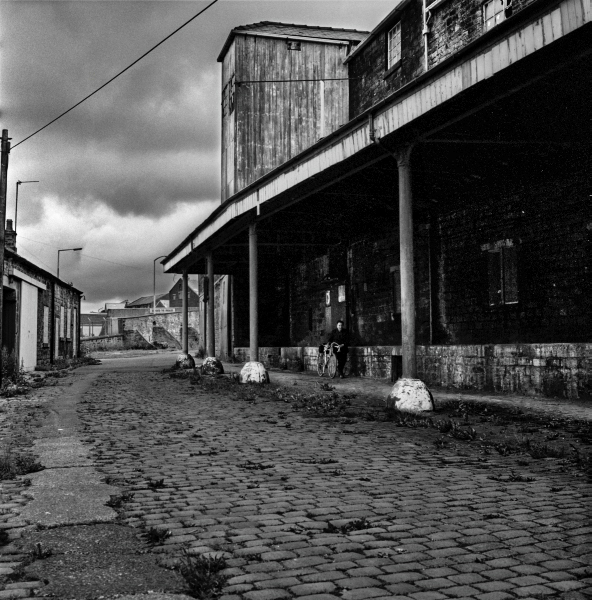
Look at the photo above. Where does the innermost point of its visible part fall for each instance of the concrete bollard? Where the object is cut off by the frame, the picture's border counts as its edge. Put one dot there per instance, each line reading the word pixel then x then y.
pixel 411 395
pixel 212 366
pixel 254 372
pixel 185 361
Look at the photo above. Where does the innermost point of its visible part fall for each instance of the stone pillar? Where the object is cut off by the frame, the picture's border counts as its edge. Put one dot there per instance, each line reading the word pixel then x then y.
pixel 406 253
pixel 253 305
pixel 211 322
pixel 185 310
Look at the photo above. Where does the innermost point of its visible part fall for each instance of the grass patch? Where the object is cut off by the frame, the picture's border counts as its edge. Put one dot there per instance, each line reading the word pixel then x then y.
pixel 203 575
pixel 13 464
pixel 155 536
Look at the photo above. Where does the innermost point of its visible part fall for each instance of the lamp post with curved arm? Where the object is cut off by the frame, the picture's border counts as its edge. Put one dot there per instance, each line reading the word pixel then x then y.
pixel 16 198
pixel 65 250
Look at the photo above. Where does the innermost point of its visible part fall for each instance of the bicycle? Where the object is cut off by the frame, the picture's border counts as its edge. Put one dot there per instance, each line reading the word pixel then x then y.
pixel 327 360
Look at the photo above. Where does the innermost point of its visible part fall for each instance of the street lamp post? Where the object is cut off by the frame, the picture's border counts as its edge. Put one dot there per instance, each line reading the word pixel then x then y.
pixel 154 283
pixel 16 199
pixel 65 250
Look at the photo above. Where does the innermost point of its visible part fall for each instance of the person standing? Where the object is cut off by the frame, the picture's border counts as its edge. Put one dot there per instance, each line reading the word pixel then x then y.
pixel 340 336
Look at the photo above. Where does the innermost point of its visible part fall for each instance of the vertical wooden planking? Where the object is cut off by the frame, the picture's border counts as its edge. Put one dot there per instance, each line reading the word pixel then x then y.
pixel 539 40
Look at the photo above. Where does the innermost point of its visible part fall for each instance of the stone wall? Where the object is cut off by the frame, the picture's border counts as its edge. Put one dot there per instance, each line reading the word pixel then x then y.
pixel 152 326
pixel 556 370
pixel 103 342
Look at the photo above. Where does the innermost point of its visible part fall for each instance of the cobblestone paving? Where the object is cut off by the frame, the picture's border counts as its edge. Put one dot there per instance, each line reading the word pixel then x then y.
pixel 322 509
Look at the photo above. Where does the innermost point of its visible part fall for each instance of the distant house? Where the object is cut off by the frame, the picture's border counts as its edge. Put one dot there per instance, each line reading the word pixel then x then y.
pixel 40 312
pixel 176 293
pixel 162 301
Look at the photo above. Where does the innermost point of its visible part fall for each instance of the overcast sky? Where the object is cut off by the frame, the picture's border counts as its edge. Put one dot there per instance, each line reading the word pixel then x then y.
pixel 134 169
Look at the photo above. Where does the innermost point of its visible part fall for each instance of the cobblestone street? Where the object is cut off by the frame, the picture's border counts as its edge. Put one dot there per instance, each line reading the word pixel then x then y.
pixel 316 508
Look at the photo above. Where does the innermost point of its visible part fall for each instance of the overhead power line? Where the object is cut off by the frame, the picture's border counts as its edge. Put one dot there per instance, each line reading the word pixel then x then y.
pixel 118 74
pixel 86 255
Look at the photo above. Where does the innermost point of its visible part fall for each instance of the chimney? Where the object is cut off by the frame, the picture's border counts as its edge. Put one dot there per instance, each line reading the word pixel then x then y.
pixel 10 236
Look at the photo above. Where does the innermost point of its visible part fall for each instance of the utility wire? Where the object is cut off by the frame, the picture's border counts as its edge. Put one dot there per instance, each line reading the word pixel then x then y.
pixel 118 74
pixel 37 257
pixel 83 254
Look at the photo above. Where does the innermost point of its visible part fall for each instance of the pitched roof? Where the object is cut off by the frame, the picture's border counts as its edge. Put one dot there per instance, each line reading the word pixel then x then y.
pixel 284 30
pixel 144 300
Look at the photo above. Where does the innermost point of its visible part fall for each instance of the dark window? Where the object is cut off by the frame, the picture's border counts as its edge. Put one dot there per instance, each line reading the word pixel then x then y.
pixel 393 40
pixel 503 275
pixel 294 45
pixel 496 11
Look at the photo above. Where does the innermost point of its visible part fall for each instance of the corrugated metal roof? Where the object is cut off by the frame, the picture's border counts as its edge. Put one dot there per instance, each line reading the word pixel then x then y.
pixel 145 300
pixel 294 30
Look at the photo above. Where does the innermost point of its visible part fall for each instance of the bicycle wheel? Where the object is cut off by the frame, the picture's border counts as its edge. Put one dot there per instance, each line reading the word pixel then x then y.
pixel 332 366
pixel 321 365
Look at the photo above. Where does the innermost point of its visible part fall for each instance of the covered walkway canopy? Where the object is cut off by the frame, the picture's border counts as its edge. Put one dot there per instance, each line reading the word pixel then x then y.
pixel 504 106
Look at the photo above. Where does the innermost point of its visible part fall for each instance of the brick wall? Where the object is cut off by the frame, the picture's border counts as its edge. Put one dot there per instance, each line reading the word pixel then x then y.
pixel 452 26
pixel 548 222
pixel 315 306
pixel 455 24
pixel 369 83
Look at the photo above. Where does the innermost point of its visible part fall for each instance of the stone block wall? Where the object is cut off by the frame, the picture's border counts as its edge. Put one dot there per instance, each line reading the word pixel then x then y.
pixel 172 323
pixel 554 370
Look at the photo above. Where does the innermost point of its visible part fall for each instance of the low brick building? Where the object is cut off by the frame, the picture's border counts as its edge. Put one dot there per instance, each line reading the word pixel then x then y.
pixel 40 312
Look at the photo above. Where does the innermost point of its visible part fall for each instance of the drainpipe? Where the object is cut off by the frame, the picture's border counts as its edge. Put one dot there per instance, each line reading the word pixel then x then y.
pixel 426 31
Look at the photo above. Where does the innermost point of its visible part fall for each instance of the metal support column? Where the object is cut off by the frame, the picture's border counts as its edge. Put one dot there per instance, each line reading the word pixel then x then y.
pixel 253 307
pixel 185 309
pixel 211 341
pixel 406 252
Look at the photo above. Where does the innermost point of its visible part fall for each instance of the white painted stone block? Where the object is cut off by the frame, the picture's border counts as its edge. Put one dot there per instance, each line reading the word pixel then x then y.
pixel 185 361
pixel 411 395
pixel 254 372
pixel 212 366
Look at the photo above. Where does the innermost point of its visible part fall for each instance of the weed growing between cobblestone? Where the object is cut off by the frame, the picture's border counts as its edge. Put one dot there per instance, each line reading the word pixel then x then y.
pixel 38 552
pixel 356 525
pixel 155 484
pixel 13 464
pixel 203 575
pixel 4 537
pixel 155 536
pixel 118 500
pixel 253 466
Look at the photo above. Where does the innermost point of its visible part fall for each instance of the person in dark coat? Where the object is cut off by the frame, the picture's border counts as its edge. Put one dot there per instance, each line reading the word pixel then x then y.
pixel 341 337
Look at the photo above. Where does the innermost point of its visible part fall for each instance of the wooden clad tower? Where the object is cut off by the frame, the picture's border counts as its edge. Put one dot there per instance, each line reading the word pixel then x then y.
pixel 284 87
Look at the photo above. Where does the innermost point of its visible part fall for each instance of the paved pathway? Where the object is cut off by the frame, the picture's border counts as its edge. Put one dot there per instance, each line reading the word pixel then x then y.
pixel 281 495
pixel 320 509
